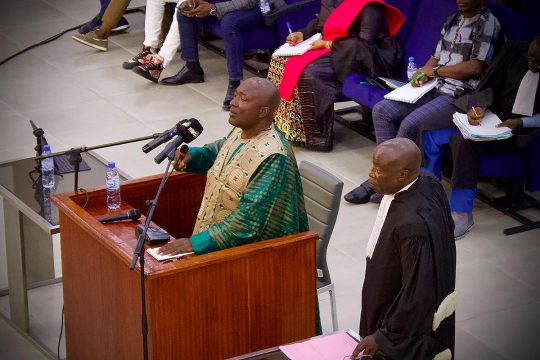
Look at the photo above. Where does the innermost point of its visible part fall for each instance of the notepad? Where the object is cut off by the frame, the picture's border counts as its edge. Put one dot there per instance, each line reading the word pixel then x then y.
pixel 410 94
pixel 298 49
pixel 155 255
pixel 486 131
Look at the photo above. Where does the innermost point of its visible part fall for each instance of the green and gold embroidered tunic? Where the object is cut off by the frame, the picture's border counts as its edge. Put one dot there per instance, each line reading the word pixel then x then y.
pixel 253 191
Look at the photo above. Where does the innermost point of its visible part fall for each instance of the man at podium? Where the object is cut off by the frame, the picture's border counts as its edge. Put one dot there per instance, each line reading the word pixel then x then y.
pixel 253 190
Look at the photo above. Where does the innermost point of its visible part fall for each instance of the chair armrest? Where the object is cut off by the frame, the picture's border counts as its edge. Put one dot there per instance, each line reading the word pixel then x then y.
pixel 282 8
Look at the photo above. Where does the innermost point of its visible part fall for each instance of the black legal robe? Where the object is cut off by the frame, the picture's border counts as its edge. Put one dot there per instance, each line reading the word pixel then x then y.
pixel 411 272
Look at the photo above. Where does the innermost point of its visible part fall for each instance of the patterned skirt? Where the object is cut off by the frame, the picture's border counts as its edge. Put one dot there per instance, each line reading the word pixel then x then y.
pixel 308 118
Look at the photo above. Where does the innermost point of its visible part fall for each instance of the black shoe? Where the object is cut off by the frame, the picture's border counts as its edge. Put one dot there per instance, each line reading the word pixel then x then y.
pixel 184 76
pixel 231 89
pixel 92 25
pixel 361 194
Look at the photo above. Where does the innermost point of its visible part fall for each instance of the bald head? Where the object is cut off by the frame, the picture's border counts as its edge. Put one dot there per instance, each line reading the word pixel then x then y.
pixel 266 93
pixel 396 163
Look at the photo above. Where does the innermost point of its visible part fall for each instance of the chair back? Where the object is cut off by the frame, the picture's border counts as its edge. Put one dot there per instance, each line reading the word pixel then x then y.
pixel 322 194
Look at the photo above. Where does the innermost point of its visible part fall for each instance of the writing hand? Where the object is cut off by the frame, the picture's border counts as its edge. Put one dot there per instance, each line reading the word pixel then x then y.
pixel 295 38
pixel 513 124
pixel 176 246
pixel 420 80
pixel 475 115
pixel 368 345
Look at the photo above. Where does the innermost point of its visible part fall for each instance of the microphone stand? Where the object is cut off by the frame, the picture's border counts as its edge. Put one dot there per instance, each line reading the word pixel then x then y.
pixel 139 251
pixel 76 158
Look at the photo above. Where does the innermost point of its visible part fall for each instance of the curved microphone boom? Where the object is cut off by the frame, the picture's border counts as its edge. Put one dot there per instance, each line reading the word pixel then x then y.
pixel 133 214
pixel 187 132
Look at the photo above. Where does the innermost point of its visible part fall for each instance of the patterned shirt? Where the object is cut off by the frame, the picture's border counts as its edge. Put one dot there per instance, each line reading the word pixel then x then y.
pixel 464 39
pixel 225 7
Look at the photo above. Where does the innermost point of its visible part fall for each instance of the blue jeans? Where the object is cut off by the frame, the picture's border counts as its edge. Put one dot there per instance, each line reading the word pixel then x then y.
pixel 234 25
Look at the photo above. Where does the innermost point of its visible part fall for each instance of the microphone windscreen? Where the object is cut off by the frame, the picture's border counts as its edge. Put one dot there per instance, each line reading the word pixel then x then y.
pixel 134 214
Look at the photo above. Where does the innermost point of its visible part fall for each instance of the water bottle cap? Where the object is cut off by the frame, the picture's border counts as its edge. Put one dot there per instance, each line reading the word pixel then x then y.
pixel 46 147
pixel 111 165
pixel 411 59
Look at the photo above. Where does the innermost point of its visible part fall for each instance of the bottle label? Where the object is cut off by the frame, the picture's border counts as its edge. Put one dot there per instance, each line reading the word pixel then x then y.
pixel 112 184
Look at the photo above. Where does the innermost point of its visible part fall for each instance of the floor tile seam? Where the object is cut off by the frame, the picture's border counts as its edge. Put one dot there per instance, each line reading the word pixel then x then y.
pixel 483 343
pixel 525 284
pixel 491 312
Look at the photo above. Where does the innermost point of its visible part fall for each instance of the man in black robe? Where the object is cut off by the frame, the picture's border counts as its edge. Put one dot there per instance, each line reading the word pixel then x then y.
pixel 408 298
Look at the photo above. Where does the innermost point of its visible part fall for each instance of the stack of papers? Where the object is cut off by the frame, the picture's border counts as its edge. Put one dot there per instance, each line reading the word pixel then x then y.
pixel 298 49
pixel 486 131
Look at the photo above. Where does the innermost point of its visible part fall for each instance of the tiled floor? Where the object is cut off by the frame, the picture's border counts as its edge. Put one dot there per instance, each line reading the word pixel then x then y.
pixel 83 97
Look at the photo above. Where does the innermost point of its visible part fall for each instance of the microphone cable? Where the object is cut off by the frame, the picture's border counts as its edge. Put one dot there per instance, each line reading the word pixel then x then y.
pixel 46 41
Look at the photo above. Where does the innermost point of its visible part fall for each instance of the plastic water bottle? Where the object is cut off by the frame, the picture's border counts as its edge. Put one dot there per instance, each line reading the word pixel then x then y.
pixel 411 68
pixel 113 187
pixel 265 6
pixel 47 168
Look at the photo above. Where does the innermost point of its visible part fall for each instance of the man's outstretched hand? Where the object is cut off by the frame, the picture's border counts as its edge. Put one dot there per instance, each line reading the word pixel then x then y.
pixel 177 246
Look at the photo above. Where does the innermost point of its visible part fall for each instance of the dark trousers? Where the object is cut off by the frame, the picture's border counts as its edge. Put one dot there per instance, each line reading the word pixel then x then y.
pixel 233 27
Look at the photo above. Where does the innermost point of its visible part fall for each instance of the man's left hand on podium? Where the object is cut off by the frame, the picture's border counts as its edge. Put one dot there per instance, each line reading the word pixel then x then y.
pixel 177 246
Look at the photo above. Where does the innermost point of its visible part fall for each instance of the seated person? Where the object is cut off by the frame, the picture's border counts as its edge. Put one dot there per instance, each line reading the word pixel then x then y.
pixel 236 17
pixel 510 89
pixel 152 51
pixel 466 46
pixel 253 190
pixel 98 36
pixel 96 22
pixel 360 42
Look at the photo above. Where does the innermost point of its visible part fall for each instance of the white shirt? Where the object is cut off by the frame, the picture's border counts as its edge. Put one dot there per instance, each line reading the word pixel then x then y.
pixel 381 218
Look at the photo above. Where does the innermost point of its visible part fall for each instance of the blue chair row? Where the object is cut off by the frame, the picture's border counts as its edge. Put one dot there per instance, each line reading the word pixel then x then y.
pixel 419 36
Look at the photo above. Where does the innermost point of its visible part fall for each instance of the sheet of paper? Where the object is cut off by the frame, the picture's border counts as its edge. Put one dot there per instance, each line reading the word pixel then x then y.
pixel 155 255
pixel 329 347
pixel 410 94
pixel 298 49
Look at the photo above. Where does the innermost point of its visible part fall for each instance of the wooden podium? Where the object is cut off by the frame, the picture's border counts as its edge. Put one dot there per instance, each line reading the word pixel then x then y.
pixel 212 306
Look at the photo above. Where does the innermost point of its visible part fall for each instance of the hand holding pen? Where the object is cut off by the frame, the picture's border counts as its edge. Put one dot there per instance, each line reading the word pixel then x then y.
pixel 475 114
pixel 294 37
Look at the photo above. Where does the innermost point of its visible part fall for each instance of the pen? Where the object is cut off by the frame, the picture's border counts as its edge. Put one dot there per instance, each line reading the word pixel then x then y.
pixel 418 77
pixel 471 104
pixel 289 27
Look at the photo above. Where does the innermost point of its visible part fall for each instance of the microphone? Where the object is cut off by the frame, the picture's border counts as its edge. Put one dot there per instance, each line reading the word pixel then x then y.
pixel 188 131
pixel 163 137
pixel 133 214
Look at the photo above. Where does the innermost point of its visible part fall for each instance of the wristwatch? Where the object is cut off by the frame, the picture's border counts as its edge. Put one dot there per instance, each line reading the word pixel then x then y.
pixel 436 71
pixel 213 10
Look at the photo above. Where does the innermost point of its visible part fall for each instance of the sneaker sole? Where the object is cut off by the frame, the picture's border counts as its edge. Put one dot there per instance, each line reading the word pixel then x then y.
pixel 120 28
pixel 465 233
pixel 144 74
pixel 95 46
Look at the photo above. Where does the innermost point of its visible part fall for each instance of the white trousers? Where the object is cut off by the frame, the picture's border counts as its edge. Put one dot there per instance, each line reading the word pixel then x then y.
pixel 152 29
